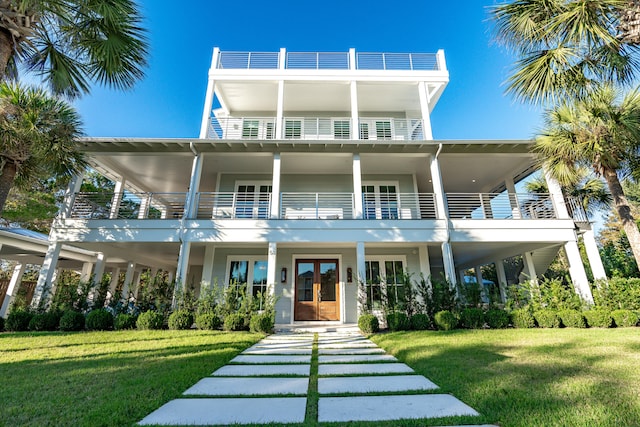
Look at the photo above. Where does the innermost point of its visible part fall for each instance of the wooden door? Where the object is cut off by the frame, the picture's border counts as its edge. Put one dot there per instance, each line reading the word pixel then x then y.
pixel 317 293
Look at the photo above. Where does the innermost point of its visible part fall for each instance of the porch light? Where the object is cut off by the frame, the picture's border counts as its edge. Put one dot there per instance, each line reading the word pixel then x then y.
pixel 283 275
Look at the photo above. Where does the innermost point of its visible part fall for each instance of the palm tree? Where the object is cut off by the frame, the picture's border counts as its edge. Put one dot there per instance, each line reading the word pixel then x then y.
pixel 37 137
pixel 565 46
pixel 600 131
pixel 72 43
pixel 588 189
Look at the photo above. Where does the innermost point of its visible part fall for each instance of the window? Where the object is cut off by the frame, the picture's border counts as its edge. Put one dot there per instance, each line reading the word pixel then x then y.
pixel 364 130
pixel 292 129
pixel 341 129
pixel 384 282
pixel 252 200
pixel 250 129
pixel 251 271
pixel 380 201
pixel 383 129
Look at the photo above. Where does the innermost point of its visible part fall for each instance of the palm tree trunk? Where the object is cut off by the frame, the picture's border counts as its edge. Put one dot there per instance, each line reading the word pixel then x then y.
pixel 7 177
pixel 624 211
pixel 6 49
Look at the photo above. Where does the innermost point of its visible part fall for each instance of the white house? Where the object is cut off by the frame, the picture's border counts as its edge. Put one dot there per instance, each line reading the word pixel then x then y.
pixel 313 172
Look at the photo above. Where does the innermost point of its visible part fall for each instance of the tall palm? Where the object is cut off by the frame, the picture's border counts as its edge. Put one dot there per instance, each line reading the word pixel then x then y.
pixel 600 131
pixel 587 189
pixel 72 43
pixel 37 137
pixel 565 46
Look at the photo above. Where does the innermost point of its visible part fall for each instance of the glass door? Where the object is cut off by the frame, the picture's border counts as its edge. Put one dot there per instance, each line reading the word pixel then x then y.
pixel 316 287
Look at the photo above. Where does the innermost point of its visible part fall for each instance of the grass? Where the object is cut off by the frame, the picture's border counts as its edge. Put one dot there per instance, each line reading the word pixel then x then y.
pixel 104 378
pixel 532 377
pixel 515 377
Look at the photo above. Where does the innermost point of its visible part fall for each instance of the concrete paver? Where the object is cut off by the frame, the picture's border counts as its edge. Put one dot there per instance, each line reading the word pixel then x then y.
pixel 364 369
pixel 376 350
pixel 226 386
pixel 374 384
pixel 258 359
pixel 259 350
pixel 356 358
pixel 261 370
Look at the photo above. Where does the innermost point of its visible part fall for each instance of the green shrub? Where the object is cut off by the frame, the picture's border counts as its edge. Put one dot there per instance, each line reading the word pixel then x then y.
pixel 18 320
pixel 234 322
pixel 547 318
pixel 368 324
pixel 99 320
pixel 208 321
pixel 124 321
pixel 445 320
pixel 472 318
pixel 496 318
pixel 572 319
pixel 150 320
pixel 44 321
pixel 397 321
pixel 262 322
pixel 618 293
pixel 522 318
pixel 180 319
pixel 597 318
pixel 419 322
pixel 624 318
pixel 72 321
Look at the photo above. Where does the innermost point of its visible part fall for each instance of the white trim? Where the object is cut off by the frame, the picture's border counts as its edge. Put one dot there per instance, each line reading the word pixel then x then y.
pixel 251 260
pixel 376 193
pixel 381 259
pixel 341 282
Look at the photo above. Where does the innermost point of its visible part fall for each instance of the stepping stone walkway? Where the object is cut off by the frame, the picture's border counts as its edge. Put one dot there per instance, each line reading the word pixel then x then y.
pixel 269 382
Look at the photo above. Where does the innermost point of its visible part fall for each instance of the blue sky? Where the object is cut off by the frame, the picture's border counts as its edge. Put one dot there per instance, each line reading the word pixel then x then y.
pixel 168 102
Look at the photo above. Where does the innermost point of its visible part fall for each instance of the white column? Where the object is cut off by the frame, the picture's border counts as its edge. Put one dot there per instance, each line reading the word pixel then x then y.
pixel 529 266
pixel 557 198
pixel 576 271
pixel 275 187
pixel 502 279
pixel 438 189
pixel 280 111
pixel 449 265
pixel 117 198
pixel 355 117
pixel 513 198
pixel 47 273
pixel 361 274
pixel 357 187
pixel 352 59
pixel 593 255
pixel 115 278
pixel 98 269
pixel 183 264
pixel 207 267
pixel 85 275
pixel 424 111
pixel 70 195
pixel 191 207
pixel 272 268
pixel 425 267
pixel 208 101
pixel 136 283
pixel 12 290
pixel 128 280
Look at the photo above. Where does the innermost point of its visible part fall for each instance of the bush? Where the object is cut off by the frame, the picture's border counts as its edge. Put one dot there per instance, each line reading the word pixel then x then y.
pixel 397 321
pixel 99 320
pixel 18 320
pixel 208 321
pixel 419 322
pixel 150 320
pixel 234 322
pixel 262 322
pixel 180 319
pixel 368 324
pixel 522 318
pixel 597 318
pixel 496 318
pixel 472 318
pixel 572 319
pixel 547 318
pixel 44 321
pixel 72 321
pixel 445 320
pixel 618 293
pixel 624 318
pixel 124 321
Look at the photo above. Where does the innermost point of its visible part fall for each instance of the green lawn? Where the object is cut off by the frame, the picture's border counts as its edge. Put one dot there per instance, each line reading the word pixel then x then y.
pixel 104 378
pixel 532 377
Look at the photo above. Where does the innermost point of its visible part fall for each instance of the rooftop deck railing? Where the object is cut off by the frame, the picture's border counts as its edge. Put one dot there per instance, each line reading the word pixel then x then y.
pixel 329 61
pixel 500 206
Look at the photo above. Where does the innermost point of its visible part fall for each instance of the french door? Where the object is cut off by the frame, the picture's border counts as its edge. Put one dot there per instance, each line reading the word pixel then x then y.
pixel 317 293
pixel 252 201
pixel 380 201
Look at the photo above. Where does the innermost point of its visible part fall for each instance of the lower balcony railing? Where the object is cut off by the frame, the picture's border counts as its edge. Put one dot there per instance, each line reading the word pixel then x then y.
pixel 129 205
pixel 500 206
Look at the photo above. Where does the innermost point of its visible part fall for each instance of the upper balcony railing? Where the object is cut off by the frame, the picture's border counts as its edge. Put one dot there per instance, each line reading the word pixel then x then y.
pixel 500 206
pixel 129 205
pixel 329 61
pixel 318 128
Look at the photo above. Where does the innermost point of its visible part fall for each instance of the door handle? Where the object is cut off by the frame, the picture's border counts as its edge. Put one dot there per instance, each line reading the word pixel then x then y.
pixel 319 295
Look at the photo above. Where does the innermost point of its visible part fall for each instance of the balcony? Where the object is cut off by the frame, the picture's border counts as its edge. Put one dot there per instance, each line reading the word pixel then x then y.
pixel 128 205
pixel 328 61
pixel 316 128
pixel 500 206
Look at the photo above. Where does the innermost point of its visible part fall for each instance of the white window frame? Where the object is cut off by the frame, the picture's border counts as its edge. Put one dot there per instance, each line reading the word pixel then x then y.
pixel 381 260
pixel 378 202
pixel 256 197
pixel 251 260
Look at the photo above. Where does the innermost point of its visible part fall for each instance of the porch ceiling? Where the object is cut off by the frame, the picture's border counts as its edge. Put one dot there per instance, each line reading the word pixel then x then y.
pixel 468 255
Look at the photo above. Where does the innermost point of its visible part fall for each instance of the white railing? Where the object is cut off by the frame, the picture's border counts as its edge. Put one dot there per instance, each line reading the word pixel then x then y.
pixel 391 129
pixel 317 60
pixel 399 206
pixel 128 205
pixel 233 205
pixel 316 128
pixel 500 206
pixel 316 206
pixel 397 61
pixel 242 128
pixel 248 60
